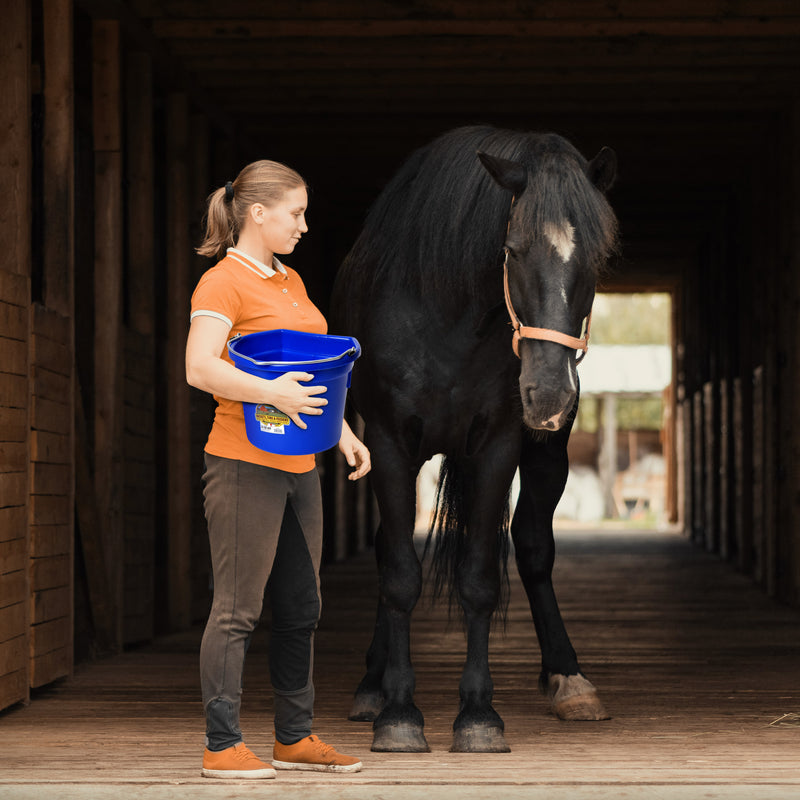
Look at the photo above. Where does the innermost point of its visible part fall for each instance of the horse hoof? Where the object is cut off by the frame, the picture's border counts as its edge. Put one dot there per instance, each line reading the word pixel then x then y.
pixel 574 698
pixel 366 707
pixel 399 738
pixel 479 739
pixel 583 707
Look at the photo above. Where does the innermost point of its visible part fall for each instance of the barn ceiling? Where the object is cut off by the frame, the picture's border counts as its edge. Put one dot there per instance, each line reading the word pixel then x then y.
pixel 359 62
pixel 681 89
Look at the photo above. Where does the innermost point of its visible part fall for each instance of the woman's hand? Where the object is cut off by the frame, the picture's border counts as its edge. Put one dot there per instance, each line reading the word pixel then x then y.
pixel 355 452
pixel 290 395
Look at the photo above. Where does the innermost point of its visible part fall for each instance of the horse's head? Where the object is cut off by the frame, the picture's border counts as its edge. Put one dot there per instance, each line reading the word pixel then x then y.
pixel 560 229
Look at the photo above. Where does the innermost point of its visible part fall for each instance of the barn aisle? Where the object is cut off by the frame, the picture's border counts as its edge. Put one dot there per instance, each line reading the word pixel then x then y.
pixel 697 667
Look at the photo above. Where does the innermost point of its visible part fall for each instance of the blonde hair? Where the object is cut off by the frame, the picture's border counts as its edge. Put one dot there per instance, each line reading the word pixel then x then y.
pixel 264 182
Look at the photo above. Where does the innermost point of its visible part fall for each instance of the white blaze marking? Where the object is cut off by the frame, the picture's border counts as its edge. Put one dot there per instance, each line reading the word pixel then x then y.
pixel 562 237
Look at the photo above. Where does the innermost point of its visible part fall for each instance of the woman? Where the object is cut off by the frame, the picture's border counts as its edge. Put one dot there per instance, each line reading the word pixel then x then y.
pixel 264 511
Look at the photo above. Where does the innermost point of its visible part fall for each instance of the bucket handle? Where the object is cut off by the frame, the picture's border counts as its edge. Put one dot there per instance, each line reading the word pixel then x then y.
pixel 290 364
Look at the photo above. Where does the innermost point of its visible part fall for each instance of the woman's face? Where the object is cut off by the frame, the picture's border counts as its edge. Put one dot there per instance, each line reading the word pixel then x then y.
pixel 284 223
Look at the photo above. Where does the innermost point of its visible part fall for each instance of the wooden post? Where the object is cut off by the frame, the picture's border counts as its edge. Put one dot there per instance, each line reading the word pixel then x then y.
pixel 179 478
pixel 789 509
pixel 139 442
pixel 108 302
pixel 15 292
pixel 608 453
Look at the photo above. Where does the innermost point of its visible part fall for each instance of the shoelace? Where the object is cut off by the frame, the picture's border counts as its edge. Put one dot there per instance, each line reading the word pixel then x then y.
pixel 244 754
pixel 321 747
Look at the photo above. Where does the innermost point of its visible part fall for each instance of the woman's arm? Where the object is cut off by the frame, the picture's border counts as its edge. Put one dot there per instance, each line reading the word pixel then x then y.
pixel 207 371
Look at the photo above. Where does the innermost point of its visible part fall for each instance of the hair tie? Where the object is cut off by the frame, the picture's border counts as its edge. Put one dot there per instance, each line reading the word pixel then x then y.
pixel 228 192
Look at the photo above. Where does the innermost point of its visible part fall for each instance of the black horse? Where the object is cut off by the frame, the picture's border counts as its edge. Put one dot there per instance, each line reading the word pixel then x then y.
pixel 423 291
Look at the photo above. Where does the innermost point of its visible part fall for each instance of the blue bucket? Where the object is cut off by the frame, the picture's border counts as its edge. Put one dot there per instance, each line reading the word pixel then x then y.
pixel 270 354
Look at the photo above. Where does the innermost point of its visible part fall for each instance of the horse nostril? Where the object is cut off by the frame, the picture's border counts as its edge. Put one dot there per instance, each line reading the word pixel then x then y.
pixel 549 425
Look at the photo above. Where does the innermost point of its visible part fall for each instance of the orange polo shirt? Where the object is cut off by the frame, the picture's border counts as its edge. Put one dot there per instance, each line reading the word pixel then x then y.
pixel 251 297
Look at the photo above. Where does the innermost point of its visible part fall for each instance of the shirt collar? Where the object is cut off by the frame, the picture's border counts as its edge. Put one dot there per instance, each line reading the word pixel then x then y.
pixel 254 265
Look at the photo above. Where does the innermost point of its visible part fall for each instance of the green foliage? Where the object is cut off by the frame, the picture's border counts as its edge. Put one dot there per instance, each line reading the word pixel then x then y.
pixel 631 319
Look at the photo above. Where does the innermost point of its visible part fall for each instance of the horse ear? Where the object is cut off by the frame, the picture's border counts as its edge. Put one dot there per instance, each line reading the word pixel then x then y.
pixel 602 169
pixel 509 174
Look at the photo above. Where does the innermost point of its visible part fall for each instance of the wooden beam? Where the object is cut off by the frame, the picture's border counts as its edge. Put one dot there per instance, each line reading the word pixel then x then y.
pixel 15 323
pixel 559 28
pixel 140 181
pixel 179 476
pixel 108 303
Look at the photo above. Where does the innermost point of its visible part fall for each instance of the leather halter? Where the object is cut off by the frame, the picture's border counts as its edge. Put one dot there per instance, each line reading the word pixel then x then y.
pixel 547 334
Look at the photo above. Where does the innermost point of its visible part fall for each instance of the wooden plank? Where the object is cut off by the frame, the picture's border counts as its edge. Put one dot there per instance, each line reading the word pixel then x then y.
pixel 109 238
pixel 13 322
pixel 51 415
pixel 50 572
pixel 48 384
pixel 53 634
pixel 559 28
pixel 47 667
pixel 13 688
pixel 13 456
pixel 13 588
pixel 13 356
pixel 759 490
pixel 53 448
pixel 51 324
pixel 13 489
pixel 13 424
pixel 179 472
pixel 13 654
pixel 13 622
pixel 58 153
pixel 54 355
pixel 317 10
pixel 50 510
pixel 51 478
pixel 13 555
pixel 92 543
pixel 51 540
pixel 140 178
pixel 50 603
pixel 15 157
pixel 13 391
pixel 13 522
pixel 15 288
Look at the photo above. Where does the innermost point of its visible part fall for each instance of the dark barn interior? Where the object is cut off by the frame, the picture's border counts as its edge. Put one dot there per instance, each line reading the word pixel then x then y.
pixel 120 116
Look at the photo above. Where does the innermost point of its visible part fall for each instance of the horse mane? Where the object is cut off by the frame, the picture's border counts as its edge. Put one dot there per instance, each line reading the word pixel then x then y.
pixel 437 228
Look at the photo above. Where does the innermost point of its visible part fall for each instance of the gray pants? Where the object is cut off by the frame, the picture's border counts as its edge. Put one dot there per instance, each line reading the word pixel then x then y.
pixel 265 531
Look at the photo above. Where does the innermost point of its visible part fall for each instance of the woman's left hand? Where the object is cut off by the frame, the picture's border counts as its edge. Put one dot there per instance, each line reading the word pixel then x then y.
pixel 355 452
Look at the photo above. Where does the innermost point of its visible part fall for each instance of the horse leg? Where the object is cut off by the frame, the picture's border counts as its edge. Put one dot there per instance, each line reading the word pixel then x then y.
pixel 478 728
pixel 398 727
pixel 543 475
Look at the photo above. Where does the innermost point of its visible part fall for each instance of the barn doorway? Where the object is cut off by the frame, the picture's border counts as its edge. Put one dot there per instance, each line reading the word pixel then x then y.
pixel 623 464
pixel 623 460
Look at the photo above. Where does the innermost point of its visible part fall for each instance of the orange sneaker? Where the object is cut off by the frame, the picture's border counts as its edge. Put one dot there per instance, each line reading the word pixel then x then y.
pixel 312 754
pixel 235 762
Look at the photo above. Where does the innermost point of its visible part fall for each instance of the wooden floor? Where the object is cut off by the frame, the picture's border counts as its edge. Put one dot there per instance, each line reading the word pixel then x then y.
pixel 698 669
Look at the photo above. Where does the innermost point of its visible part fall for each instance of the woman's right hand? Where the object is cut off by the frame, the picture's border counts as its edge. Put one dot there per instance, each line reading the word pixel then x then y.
pixel 290 394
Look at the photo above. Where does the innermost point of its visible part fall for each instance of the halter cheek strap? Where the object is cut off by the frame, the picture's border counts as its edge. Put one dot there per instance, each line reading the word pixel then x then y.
pixel 547 334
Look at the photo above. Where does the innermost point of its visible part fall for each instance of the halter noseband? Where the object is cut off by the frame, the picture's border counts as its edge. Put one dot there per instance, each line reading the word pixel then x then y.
pixel 547 334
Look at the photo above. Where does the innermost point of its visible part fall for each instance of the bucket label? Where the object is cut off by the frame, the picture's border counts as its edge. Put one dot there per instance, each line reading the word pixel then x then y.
pixel 271 420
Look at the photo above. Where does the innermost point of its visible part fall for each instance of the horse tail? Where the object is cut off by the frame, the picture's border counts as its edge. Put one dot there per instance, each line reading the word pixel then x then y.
pixel 448 532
